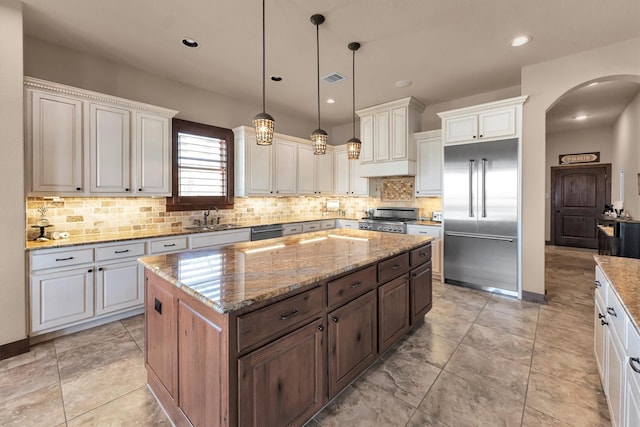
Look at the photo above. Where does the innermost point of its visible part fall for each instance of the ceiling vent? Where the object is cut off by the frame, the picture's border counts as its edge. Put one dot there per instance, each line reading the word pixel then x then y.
pixel 333 78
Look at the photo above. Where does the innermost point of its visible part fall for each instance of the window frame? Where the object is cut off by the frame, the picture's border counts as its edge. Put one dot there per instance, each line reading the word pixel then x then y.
pixel 191 203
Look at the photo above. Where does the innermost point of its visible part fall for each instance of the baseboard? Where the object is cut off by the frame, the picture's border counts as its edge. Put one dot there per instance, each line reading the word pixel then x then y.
pixel 14 348
pixel 548 242
pixel 534 297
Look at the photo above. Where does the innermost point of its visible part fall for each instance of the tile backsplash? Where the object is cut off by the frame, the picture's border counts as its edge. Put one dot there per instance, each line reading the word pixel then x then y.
pixel 106 215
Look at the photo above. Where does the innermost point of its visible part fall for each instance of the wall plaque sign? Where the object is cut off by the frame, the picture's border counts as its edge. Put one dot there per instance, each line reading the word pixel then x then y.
pixel 567 159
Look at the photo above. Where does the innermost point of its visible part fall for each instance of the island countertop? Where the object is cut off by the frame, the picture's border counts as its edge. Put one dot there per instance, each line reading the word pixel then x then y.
pixel 624 276
pixel 236 276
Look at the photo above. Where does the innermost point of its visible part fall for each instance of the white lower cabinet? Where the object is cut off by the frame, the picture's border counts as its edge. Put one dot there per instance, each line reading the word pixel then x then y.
pixel 436 245
pixel 615 378
pixel 347 223
pixel 119 286
pixel 632 400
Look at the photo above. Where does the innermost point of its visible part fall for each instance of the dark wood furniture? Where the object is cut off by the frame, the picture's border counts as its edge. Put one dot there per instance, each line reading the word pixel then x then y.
pixel 279 361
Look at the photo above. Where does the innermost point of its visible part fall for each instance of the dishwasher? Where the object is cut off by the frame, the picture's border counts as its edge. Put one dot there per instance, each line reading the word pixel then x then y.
pixel 262 232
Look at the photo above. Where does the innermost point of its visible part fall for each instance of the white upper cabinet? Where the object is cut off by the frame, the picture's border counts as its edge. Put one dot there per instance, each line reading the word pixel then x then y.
pixel 83 143
pixel 54 154
pixel 386 132
pixel 315 172
pixel 429 163
pixel 348 181
pixel 491 121
pixel 285 167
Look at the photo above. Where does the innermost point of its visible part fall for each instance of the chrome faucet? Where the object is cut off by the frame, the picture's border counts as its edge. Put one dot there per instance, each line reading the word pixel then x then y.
pixel 208 212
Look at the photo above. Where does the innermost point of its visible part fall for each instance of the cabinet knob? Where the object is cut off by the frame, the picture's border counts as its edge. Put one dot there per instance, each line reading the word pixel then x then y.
pixel 126 189
pixel 100 269
pixel 139 189
pixel 474 137
pixel 90 271
pixel 78 188
pixel 321 328
pixel 481 135
pixel 335 319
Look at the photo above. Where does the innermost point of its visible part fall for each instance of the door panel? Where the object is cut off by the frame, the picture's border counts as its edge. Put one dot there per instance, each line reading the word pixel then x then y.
pixel 579 194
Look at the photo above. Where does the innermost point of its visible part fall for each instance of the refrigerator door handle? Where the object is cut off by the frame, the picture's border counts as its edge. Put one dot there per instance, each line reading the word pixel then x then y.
pixel 484 188
pixel 479 236
pixel 471 214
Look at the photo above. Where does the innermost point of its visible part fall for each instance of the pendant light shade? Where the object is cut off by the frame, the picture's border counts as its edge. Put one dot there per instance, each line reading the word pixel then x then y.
pixel 319 136
pixel 263 122
pixel 354 144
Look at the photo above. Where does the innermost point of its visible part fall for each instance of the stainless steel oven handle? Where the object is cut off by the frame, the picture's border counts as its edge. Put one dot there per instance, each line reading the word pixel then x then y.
pixel 479 236
pixel 471 161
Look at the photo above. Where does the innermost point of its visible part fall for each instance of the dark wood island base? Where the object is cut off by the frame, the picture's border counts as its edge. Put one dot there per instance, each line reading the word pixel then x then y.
pixel 278 361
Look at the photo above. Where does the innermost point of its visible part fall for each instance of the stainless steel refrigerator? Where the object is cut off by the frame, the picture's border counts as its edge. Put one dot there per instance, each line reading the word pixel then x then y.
pixel 480 208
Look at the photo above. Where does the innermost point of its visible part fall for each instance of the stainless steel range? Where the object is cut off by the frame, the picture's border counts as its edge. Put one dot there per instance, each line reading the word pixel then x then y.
pixel 391 220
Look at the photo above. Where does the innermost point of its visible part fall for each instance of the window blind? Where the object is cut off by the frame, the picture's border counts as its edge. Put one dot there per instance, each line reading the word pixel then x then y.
pixel 202 164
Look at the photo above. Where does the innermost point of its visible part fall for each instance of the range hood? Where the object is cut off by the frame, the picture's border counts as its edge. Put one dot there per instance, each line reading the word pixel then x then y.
pixel 386 131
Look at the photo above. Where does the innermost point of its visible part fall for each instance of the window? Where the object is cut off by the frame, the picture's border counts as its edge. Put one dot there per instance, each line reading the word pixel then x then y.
pixel 202 167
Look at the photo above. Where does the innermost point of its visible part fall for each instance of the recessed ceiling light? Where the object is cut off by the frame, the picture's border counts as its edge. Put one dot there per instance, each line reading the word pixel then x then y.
pixel 190 42
pixel 331 101
pixel 580 117
pixel 276 78
pixel 520 41
pixel 404 83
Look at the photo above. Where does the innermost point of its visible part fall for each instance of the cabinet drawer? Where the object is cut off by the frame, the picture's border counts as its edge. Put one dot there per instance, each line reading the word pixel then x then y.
pixel 60 259
pixel 220 238
pixel 289 229
pixel 328 224
pixel 168 245
pixel 424 230
pixel 393 267
pixel 633 343
pixel 616 316
pixel 346 288
pixel 124 250
pixel 274 320
pixel 310 226
pixel 420 255
pixel 601 284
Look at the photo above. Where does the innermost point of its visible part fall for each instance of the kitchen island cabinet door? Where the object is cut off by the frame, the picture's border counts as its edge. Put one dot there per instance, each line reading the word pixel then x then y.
pixel 393 319
pixel 420 282
pixel 283 383
pixel 353 340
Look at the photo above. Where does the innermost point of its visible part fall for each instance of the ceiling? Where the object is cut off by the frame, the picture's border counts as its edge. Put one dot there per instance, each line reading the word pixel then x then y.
pixel 448 49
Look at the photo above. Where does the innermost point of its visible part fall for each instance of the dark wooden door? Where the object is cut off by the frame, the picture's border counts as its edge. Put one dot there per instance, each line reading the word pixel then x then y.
pixel 421 284
pixel 353 340
pixel 283 383
pixel 579 194
pixel 393 320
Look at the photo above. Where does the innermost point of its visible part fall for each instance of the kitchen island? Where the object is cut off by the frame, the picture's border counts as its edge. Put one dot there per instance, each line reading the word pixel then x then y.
pixel 268 332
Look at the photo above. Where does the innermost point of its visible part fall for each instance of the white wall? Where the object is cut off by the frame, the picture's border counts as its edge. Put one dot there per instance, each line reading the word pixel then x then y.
pixel 626 155
pixel 545 83
pixel 12 209
pixel 62 65
pixel 579 141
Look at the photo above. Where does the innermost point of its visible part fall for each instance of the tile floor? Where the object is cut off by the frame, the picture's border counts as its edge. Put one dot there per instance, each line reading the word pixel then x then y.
pixel 479 360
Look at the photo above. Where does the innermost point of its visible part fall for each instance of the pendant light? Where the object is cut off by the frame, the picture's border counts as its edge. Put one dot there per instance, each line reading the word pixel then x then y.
pixel 263 122
pixel 354 144
pixel 319 136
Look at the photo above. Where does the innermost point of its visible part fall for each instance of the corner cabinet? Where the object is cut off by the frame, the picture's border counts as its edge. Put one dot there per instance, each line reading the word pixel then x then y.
pixel 429 163
pixel 486 122
pixel 83 143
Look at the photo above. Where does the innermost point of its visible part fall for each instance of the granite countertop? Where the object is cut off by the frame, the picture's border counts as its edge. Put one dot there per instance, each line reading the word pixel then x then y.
pixel 134 235
pixel 624 276
pixel 236 276
pixel 607 229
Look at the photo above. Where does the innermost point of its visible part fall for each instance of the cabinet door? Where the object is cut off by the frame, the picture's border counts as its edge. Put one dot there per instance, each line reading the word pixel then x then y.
pixel 61 298
pixel 600 338
pixel 394 310
pixel 353 340
pixel 283 383
pixel 429 167
pixel 160 343
pixel 367 138
pixel 119 286
pixel 259 168
pixel 436 256
pixel 358 186
pixel 381 136
pixel 342 173
pixel 498 123
pixel 421 299
pixel 285 167
pixel 110 144
pixel 324 174
pixel 615 377
pixel 399 137
pixel 54 135
pixel 632 405
pixel 460 129
pixel 153 155
pixel 306 170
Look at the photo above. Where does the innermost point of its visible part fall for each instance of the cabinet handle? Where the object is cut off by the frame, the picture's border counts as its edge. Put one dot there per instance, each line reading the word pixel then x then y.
pixel 64 259
pixel 598 284
pixel 603 323
pixel 100 268
pixel 122 252
pixel 422 254
pixel 601 316
pixel 78 188
pixel 126 189
pixel 321 328
pixel 611 311
pixel 633 361
pixel 169 245
pixel 355 285
pixel 397 266
pixel 139 189
pixel 90 271
pixel 335 319
pixel 288 316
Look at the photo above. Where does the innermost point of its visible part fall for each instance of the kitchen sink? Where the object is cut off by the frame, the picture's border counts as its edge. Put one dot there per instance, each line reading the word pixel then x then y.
pixel 212 227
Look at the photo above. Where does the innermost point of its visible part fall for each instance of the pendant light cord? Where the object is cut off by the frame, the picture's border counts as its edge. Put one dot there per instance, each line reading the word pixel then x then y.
pixel 318 66
pixel 353 78
pixel 264 67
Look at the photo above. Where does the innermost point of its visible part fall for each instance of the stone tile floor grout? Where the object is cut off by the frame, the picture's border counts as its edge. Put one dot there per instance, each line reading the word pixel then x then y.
pixel 479 359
